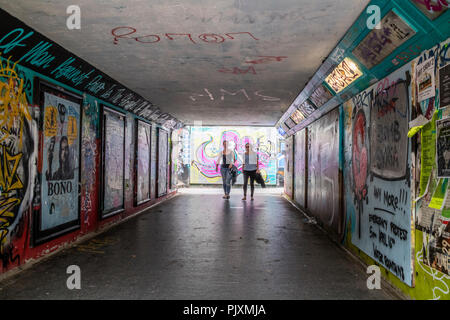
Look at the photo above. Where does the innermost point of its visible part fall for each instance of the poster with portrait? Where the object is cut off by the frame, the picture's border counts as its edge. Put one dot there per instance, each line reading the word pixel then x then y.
pixel 60 165
pixel 443 148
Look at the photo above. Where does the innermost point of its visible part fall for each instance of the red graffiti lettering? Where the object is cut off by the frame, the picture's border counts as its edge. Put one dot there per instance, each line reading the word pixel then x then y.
pixel 213 38
pixel 169 36
pixel 228 35
pixel 360 156
pixel 236 70
pixel 116 36
pixel 205 37
pixel 266 59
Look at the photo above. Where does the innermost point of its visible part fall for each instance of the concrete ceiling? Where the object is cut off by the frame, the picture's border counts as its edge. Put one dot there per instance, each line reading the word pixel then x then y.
pixel 244 62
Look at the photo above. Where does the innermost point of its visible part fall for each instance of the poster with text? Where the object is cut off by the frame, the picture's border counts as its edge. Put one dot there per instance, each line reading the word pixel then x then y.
pixel 444 86
pixel 60 165
pixel 443 148
pixel 425 80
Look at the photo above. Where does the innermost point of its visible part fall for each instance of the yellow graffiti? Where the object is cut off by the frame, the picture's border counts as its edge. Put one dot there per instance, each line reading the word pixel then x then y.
pixel 72 132
pixel 9 181
pixel 13 101
pixel 50 122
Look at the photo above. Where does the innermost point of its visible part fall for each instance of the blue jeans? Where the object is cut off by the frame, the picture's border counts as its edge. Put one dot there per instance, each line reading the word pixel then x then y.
pixel 226 179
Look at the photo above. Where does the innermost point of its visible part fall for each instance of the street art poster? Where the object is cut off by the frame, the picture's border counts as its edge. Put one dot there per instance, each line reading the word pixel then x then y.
pixel 389 119
pixel 60 168
pixel 163 153
pixel 343 75
pixel 376 182
pixel 320 96
pixel 113 161
pixel 380 43
pixel 443 148
pixel 444 86
pixel 297 116
pixel 425 80
pixel 143 162
pixel 206 145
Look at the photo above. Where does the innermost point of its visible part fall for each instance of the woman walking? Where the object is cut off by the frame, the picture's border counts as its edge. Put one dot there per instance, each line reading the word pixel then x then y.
pixel 250 167
pixel 226 159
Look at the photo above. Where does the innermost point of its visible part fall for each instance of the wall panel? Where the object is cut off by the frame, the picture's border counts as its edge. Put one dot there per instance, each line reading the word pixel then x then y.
pixel 300 189
pixel 323 171
pixel 289 167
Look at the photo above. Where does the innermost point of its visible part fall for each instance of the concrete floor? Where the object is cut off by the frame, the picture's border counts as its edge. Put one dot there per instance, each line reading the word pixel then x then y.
pixel 199 246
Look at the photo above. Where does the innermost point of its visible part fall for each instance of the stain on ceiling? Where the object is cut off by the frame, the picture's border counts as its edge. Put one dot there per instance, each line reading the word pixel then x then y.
pixel 237 62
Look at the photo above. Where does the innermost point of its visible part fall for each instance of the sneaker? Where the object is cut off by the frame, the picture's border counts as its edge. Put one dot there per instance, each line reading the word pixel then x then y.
pixel 244 198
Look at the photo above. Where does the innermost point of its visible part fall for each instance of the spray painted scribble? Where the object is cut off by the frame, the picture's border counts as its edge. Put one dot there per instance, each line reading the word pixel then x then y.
pixel 206 145
pixel 125 32
pixel 13 102
pixel 240 94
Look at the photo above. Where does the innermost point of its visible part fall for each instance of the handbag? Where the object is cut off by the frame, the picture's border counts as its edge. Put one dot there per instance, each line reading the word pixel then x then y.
pixel 259 179
pixel 233 172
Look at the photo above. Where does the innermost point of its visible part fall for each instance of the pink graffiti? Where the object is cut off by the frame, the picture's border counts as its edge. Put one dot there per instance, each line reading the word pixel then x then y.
pixel 439 6
pixel 206 164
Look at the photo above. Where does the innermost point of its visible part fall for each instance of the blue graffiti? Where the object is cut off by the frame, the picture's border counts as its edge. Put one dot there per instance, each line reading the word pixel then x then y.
pixel 17 40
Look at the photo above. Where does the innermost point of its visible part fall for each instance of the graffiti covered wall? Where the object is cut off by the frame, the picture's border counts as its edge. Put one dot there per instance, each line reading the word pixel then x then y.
pixel 376 175
pixel 289 168
pixel 143 161
pixel 432 257
pixel 206 145
pixel 323 171
pixel 18 154
pixel 300 168
pixel 163 156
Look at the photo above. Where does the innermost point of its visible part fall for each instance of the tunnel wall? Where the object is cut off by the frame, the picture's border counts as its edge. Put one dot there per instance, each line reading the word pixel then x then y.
pixel 381 221
pixel 323 196
pixel 43 210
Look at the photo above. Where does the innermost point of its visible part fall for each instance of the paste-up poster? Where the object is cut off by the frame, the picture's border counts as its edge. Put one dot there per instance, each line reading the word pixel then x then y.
pixel 444 86
pixel 443 148
pixel 60 165
pixel 425 80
